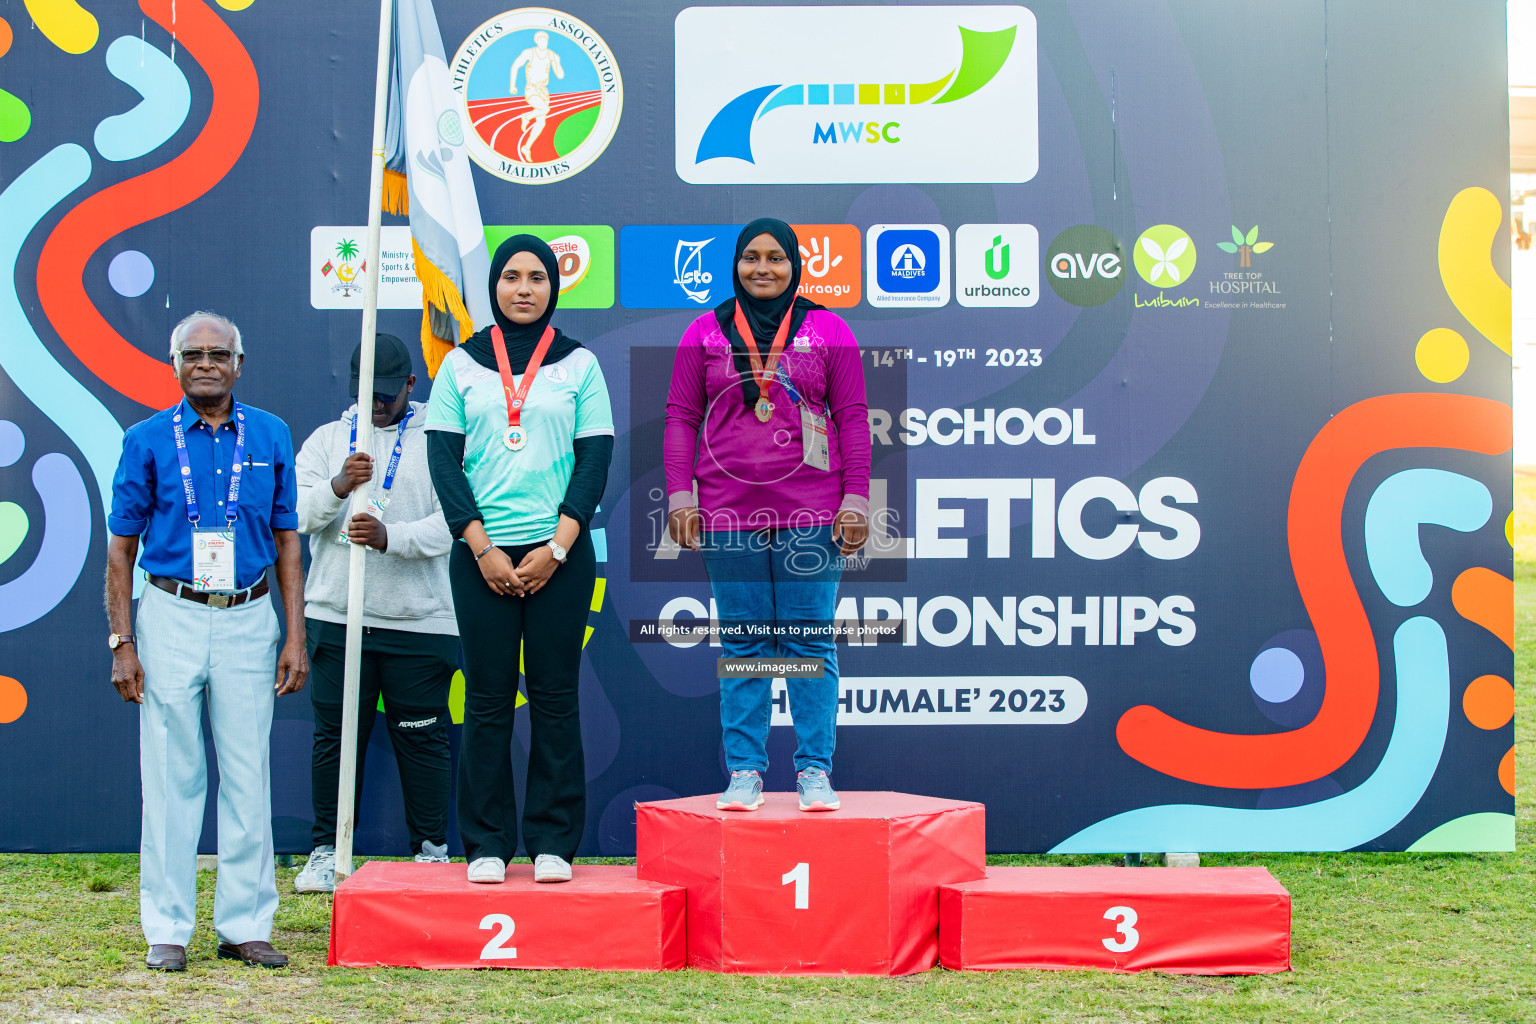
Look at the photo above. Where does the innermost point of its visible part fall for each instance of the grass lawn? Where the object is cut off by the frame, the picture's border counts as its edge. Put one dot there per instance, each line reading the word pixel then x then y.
pixel 1384 937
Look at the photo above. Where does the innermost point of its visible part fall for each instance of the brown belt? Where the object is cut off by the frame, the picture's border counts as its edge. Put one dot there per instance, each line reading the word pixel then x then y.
pixel 212 599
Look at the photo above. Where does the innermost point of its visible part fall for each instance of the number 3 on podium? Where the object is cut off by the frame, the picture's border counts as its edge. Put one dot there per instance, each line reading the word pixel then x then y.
pixel 800 874
pixel 494 950
pixel 1126 929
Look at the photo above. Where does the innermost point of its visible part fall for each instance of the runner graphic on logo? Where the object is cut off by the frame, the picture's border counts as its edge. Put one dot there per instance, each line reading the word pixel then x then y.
pixel 539 60
pixel 541 95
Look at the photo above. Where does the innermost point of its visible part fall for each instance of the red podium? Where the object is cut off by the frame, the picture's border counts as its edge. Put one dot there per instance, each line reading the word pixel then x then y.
pixel 1180 920
pixel 430 915
pixel 782 891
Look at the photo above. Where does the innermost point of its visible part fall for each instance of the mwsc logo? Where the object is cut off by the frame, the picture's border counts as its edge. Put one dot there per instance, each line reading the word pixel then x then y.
pixel 1085 265
pixel 851 94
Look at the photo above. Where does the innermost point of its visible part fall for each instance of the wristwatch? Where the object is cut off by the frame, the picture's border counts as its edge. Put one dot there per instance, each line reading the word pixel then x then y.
pixel 559 551
pixel 116 640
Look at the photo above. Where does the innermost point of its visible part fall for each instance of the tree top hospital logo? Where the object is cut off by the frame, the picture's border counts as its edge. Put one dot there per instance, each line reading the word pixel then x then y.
pixel 856 94
pixel 541 93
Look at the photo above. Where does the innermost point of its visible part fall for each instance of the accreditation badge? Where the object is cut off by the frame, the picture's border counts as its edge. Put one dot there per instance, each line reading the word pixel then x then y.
pixel 813 439
pixel 213 559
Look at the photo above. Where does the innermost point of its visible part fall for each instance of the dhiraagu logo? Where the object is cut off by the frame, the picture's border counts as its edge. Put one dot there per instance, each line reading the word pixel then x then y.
pixel 1165 258
pixel 856 94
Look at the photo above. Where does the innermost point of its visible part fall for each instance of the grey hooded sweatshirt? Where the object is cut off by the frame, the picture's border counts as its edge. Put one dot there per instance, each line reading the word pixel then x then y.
pixel 407 583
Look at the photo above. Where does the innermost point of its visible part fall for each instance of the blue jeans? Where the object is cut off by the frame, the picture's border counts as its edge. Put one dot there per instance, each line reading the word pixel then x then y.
pixel 783 576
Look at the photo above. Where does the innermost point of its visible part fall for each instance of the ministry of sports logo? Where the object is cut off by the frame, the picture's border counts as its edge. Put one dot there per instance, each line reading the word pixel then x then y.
pixel 541 93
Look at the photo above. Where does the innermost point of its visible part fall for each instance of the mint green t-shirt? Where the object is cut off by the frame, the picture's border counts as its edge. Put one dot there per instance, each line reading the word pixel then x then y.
pixel 519 493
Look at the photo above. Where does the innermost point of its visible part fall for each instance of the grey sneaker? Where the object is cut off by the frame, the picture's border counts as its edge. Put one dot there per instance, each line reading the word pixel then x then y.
pixel 745 793
pixel 432 853
pixel 319 874
pixel 548 867
pixel 816 793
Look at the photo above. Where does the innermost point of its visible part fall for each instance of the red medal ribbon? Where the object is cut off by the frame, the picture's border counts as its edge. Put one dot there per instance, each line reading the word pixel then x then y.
pixel 763 376
pixel 518 396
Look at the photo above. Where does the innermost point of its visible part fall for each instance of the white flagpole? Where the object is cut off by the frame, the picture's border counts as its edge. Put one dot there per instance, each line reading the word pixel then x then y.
pixel 346 813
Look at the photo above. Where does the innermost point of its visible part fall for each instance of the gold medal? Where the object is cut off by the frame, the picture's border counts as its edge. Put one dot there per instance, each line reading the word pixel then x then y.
pixel 764 410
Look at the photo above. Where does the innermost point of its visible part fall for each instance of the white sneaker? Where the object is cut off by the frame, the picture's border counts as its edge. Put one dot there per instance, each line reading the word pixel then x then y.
pixel 549 868
pixel 488 869
pixel 432 853
pixel 319 874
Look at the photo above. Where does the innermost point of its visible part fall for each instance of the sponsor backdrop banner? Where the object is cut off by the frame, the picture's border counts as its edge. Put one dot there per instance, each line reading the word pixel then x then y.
pixel 1186 335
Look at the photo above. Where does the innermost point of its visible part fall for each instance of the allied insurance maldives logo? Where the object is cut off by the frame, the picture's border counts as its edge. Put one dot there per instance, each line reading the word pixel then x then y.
pixel 771 95
pixel 541 93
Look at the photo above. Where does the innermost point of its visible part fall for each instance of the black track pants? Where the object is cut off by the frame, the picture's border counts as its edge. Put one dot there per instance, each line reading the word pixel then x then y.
pixel 549 628
pixel 413 672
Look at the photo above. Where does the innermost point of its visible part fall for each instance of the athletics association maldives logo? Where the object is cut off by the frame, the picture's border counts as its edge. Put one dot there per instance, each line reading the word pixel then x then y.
pixel 541 93
pixel 856 94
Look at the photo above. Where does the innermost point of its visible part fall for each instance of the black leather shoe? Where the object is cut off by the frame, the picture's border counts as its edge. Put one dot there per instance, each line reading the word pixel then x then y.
pixel 166 957
pixel 253 954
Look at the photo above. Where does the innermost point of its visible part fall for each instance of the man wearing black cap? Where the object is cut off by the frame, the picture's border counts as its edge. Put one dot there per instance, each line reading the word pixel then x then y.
pixel 410 636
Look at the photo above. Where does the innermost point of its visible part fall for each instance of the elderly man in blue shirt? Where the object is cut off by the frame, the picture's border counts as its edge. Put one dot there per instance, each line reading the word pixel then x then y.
pixel 208 485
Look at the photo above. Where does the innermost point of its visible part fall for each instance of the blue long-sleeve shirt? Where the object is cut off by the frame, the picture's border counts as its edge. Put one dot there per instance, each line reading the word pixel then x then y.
pixel 148 502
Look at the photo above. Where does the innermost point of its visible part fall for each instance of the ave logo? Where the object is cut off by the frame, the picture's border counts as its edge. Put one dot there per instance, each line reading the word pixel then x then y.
pixel 1086 265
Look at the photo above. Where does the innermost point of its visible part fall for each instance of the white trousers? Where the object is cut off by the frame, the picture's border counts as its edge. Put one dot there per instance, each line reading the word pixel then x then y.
pixel 224 659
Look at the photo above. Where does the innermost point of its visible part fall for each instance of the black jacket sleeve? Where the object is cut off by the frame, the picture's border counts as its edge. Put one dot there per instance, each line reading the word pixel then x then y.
pixel 445 460
pixel 588 478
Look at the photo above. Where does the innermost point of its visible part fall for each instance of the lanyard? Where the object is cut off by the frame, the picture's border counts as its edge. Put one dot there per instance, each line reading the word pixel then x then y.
pixel 394 458
pixel 763 375
pixel 232 500
pixel 518 396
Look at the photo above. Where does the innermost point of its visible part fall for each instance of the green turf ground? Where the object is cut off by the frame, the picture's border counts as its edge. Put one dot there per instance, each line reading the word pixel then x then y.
pixel 1389 938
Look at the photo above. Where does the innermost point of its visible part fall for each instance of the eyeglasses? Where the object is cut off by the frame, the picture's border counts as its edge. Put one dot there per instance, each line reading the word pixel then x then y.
pixel 216 356
pixel 385 399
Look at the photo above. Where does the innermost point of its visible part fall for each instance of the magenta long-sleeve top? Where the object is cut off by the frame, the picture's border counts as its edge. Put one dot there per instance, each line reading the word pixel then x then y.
pixel 752 475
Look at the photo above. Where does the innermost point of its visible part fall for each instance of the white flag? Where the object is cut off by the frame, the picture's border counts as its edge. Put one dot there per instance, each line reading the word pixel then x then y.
pixel 427 174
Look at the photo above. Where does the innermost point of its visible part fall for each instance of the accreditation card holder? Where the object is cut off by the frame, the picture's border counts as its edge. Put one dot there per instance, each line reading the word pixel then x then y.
pixel 813 438
pixel 213 559
pixel 816 452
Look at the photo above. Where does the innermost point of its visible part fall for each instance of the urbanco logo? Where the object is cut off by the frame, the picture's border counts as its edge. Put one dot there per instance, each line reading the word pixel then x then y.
pixel 1085 265
pixel 997 265
pixel 1165 256
pixel 856 94
pixel 541 92
pixel 908 265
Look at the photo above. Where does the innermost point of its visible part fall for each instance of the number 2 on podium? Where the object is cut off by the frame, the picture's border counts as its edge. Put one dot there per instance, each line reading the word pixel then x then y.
pixel 1126 929
pixel 800 874
pixel 494 950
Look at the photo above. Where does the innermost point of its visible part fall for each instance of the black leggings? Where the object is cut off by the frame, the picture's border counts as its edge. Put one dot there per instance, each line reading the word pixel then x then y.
pixel 549 628
pixel 412 671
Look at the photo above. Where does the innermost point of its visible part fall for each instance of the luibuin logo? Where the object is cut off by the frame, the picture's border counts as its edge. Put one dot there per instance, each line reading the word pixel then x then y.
pixel 729 133
pixel 1165 256
pixel 1085 265
pixel 1245 246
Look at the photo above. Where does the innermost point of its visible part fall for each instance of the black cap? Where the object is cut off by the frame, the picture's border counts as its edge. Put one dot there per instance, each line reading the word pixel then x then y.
pixel 391 365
